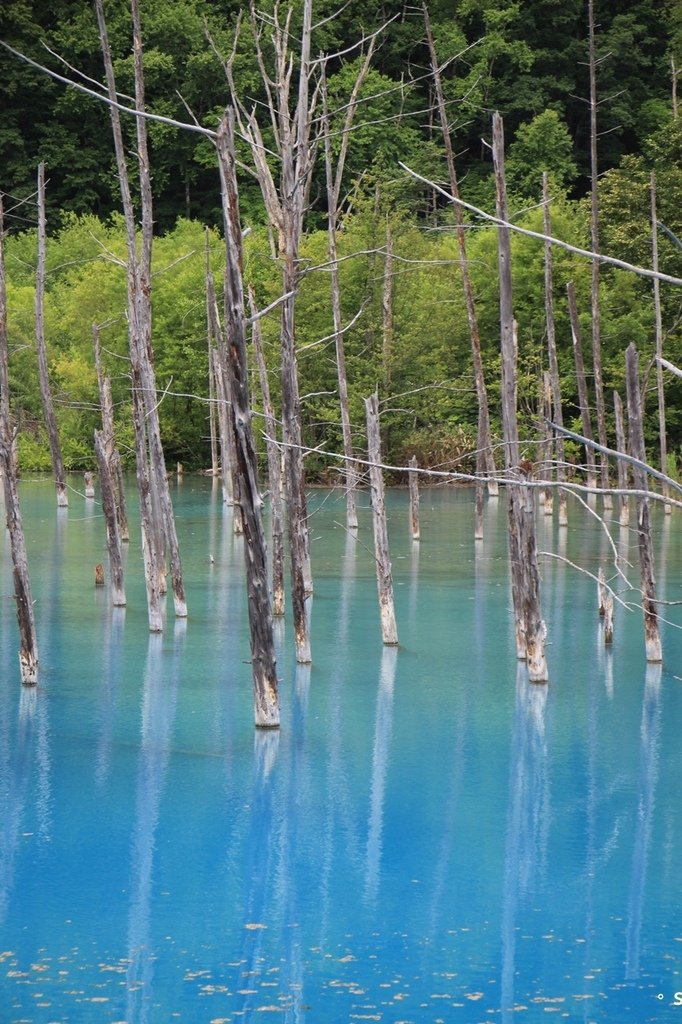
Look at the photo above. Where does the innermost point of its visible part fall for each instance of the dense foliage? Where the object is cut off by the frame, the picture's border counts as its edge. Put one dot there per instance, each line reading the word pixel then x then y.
pixel 526 59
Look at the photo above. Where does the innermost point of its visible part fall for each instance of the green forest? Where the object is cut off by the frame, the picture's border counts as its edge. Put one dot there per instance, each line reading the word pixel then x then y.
pixel 528 59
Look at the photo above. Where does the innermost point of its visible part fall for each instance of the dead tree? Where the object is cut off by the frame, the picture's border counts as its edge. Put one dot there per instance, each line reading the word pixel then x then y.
pixel 413 477
pixel 582 384
pixel 28 643
pixel 113 455
pixel 387 308
pixel 285 202
pixel 45 390
pixel 334 180
pixel 658 322
pixel 156 513
pixel 484 437
pixel 210 344
pixel 530 628
pixel 652 635
pixel 389 630
pixel 557 412
pixel 594 233
pixel 622 446
pixel 266 701
pixel 274 466
pixel 118 597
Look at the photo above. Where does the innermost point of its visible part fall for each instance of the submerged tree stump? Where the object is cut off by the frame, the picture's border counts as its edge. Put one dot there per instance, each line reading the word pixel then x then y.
pixel 413 478
pixel 389 629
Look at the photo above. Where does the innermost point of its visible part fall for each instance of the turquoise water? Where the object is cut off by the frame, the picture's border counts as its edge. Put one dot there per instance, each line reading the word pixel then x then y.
pixel 427 839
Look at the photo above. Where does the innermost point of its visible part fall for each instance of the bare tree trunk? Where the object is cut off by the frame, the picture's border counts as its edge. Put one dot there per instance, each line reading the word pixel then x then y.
pixel 652 636
pixel 582 384
pixel 414 499
pixel 226 460
pixel 223 372
pixel 210 335
pixel 118 596
pixel 673 74
pixel 594 232
pixel 113 456
pixel 485 441
pixel 530 628
pixel 266 701
pixel 28 643
pixel 557 411
pixel 156 519
pixel 45 390
pixel 663 442
pixel 622 446
pixel 547 444
pixel 274 469
pixel 389 630
pixel 387 310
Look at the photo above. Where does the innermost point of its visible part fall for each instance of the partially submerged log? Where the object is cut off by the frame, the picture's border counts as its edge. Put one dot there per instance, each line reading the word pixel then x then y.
pixel 389 630
pixel 652 635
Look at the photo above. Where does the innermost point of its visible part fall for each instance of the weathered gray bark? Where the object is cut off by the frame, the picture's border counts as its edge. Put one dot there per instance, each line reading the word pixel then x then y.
pixel 608 619
pixel 413 478
pixel 334 179
pixel 530 628
pixel 88 484
pixel 28 643
pixel 389 630
pixel 118 596
pixel 622 446
pixel 484 437
pixel 263 663
pixel 222 371
pixel 594 233
pixel 274 468
pixel 387 309
pixel 210 344
pixel 113 456
pixel 658 321
pixel 43 376
pixel 582 384
pixel 652 636
pixel 156 513
pixel 286 207
pixel 547 444
pixel 557 411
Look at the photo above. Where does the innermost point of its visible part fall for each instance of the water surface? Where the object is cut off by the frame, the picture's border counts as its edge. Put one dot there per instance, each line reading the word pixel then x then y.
pixel 428 838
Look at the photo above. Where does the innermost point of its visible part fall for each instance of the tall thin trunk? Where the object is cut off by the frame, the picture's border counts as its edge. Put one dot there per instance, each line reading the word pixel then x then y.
pixel 118 596
pixel 622 446
pixel 211 375
pixel 113 456
pixel 582 384
pixel 274 468
pixel 387 309
pixel 389 630
pixel 156 515
pixel 557 411
pixel 652 634
pixel 594 233
pixel 28 642
pixel 222 369
pixel 658 320
pixel 263 663
pixel 45 390
pixel 413 477
pixel 485 440
pixel 530 628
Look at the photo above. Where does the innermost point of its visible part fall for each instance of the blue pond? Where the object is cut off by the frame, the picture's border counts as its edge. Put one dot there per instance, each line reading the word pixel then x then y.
pixel 428 838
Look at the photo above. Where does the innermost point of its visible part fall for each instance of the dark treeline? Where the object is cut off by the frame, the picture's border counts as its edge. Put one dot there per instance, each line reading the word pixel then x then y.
pixel 528 60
